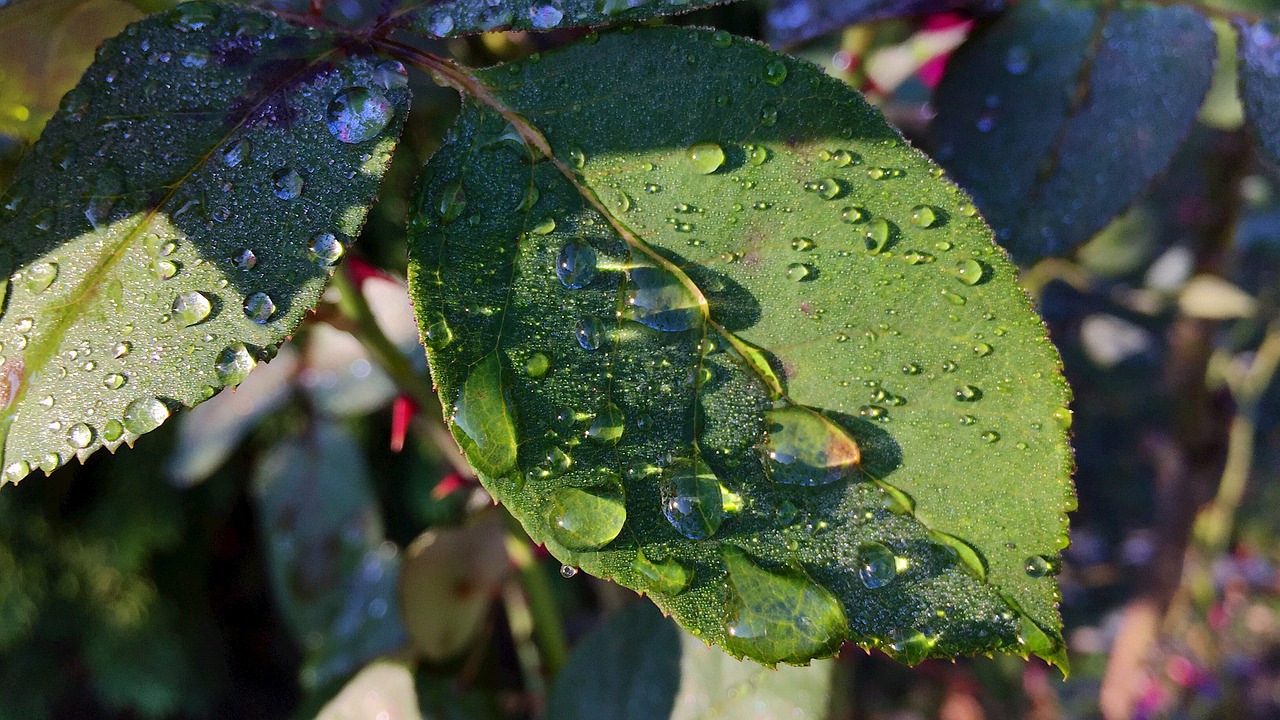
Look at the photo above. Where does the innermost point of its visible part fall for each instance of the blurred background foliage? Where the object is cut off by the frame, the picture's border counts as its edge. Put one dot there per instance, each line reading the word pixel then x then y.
pixel 310 546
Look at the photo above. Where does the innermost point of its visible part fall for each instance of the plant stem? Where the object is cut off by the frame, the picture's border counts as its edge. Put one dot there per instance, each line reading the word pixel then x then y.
pixel 547 625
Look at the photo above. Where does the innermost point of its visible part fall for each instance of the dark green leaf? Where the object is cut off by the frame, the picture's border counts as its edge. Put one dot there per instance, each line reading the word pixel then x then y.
pixel 176 220
pixel 753 334
pixel 466 17
pixel 794 21
pixel 1259 50
pixel 640 666
pixel 1057 115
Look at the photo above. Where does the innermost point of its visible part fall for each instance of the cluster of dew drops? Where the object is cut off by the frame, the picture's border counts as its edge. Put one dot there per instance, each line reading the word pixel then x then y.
pixel 354 115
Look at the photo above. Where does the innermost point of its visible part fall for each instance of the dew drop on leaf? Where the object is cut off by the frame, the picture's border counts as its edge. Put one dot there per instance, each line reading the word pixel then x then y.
pixel 691 498
pixel 114 381
pixel 665 577
pixel 877 565
pixel 607 426
pixel 191 308
pixel 41 276
pixel 586 518
pixel 804 448
pixel 234 364
pixel 259 307
pixel 358 114
pixel 545 17
pixel 576 265
pixel 590 332
pixel 877 235
pixel 112 430
pixel 705 158
pixel 968 393
pixel 923 216
pixel 798 272
pixel 144 415
pixel 775 72
pixel 325 249
pixel 236 152
pixel 969 271
pixel 829 188
pixel 286 183
pixel 485 417
pixel 537 365
pixel 660 301
pixel 1039 566
pixel 80 436
pixel 779 616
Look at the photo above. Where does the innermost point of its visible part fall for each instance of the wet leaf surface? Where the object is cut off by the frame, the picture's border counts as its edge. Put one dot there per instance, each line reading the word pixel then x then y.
pixel 1056 116
pixel 640 665
pixel 785 385
pixel 464 17
pixel 178 217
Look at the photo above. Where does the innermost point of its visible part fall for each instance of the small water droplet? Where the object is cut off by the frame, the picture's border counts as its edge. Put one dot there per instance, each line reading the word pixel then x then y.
pixel 453 200
pixel 877 565
pixel 843 158
pixel 691 498
pixel 607 426
pixel 259 307
pixel 775 72
pixel 164 269
pixel 829 188
pixel 705 158
pixel 13 472
pixel 590 333
pixel 990 436
pixel 968 393
pixel 244 259
pixel 982 349
pixel 721 38
pixel 1063 417
pixel 802 244
pixel 969 271
pixel 951 297
pixel 854 214
pixel 798 272
pixel 576 265
pixel 236 152
pixel 568 571
pixel 768 116
pixel 757 155
pixel 286 183
pixel 545 17
pixel 910 646
pixel 144 415
pixel 1038 566
pixel 325 249
pixel 358 114
pixel 41 275
pixel 80 436
pixel 877 235
pixel 923 216
pixel 437 333
pixel 114 381
pixel 484 415
pixel 191 308
pixel 911 369
pixel 234 364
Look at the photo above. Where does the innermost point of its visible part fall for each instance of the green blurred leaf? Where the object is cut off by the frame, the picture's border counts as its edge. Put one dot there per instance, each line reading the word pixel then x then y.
pixel 177 219
pixel 759 334
pixel 45 45
pixel 639 666
pixel 1058 114
pixel 465 17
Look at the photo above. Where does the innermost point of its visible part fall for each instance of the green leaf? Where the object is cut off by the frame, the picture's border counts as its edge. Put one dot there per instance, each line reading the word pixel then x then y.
pixel 747 339
pixel 466 17
pixel 639 665
pixel 1259 71
pixel 1058 114
pixel 178 217
pixel 44 48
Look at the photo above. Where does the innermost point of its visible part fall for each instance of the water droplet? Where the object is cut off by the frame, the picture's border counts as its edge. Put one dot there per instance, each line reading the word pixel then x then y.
pixel 967 209
pixel 16 471
pixel 259 307
pixel 236 152
pixel 112 431
pixel 757 155
pixel 144 415
pixel 1063 417
pixel 775 73
pixel 80 436
pixel 877 235
pixel 951 297
pixel 779 616
pixel 590 332
pixel 545 17
pixel 659 300
pixel 537 365
pixel 804 448
pixel 41 275
pixel 586 518
pixel 436 334
pixel 828 188
pixel 440 24
pixel 359 114
pixel 652 188
pixel 982 349
pixel 164 269
pixel 1038 566
pixel 485 417
pixel 244 259
pixel 191 308
pixel 910 646
pixel 923 216
pixel 969 271
pixel 990 436
pixel 621 201
pixel 911 369
pixel 577 158
pixel 968 393
pixel 665 577
pixel 325 249
pixel 233 364
pixel 842 158
pixel 802 244
pixel 286 183
pixel 799 272
pixel 853 214
pixel 390 74
pixel 607 426
pixel 875 412
pixel 114 381
pixel 576 264
pixel 568 571
pixel 691 498
pixel 705 158
pixel 453 200
pixel 768 116
pixel 877 565
pixel 721 38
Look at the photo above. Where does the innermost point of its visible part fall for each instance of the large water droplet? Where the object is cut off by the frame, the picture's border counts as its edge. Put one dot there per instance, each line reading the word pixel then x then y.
pixel 485 417
pixel 665 577
pixel 968 393
pixel 259 307
pixel 286 183
pixel 775 73
pixel 877 565
pixel 144 415
pixel 244 259
pixel 923 216
pixel 828 188
pixel 661 301
pixel 234 364
pixel 436 331
pixel 910 646
pixel 779 616
pixel 191 308
pixel 586 518
pixel 877 235
pixel 112 431
pixel 236 152
pixel 804 448
pixel 607 426
pixel 545 17
pixel 576 265
pixel 1038 566
pixel 691 499
pixel 325 249
pixel 590 333
pixel 359 114
pixel 80 436
pixel 969 271
pixel 41 275
pixel 706 158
